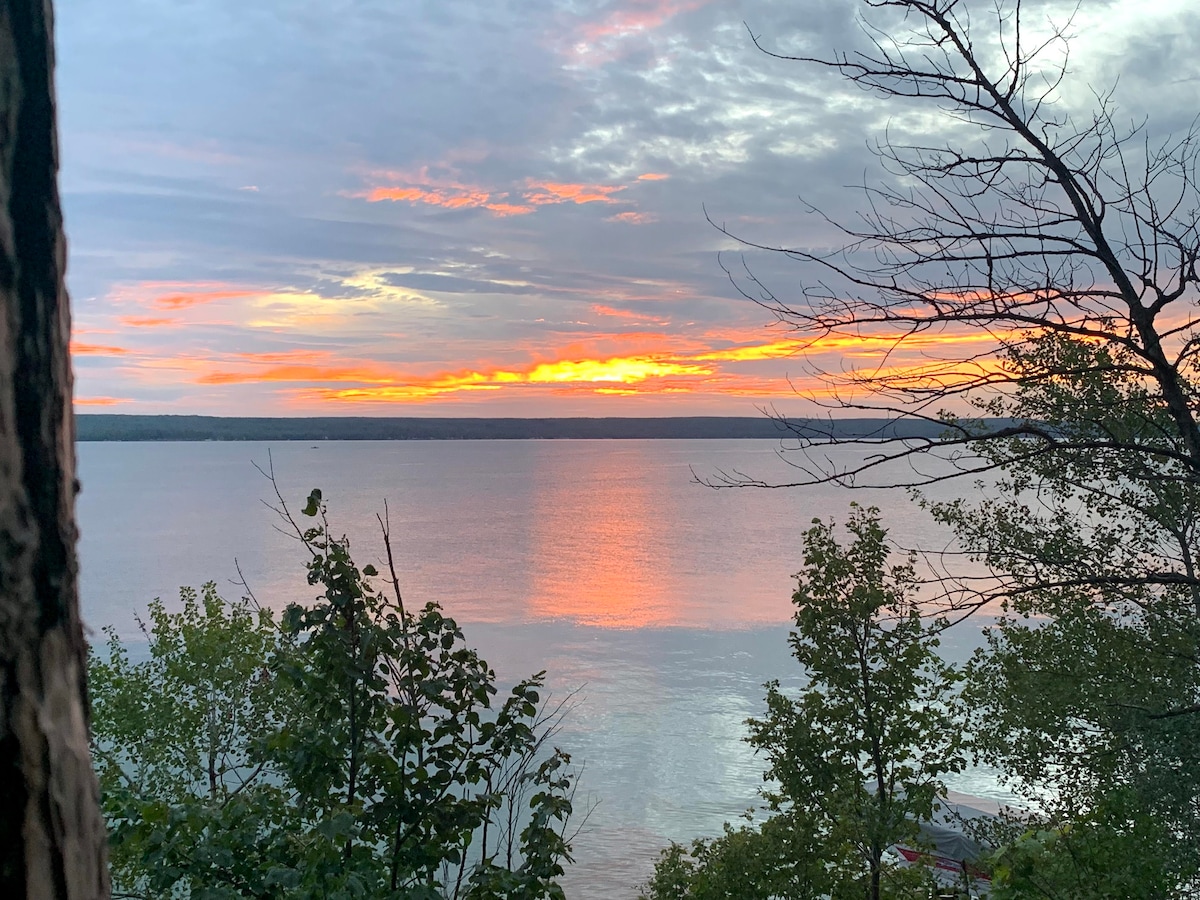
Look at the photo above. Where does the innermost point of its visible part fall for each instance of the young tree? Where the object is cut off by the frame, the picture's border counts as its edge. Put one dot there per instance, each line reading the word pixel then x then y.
pixel 855 761
pixel 398 749
pixel 354 749
pixel 51 834
pixel 781 857
pixel 191 799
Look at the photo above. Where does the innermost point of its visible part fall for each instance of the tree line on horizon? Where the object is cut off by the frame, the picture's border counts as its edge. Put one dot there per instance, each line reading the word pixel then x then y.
pixel 123 427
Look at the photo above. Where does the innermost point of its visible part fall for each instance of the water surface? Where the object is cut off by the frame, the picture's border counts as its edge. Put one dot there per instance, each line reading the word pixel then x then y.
pixel 603 562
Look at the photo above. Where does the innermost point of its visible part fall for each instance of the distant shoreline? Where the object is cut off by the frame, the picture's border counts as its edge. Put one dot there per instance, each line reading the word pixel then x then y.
pixel 115 427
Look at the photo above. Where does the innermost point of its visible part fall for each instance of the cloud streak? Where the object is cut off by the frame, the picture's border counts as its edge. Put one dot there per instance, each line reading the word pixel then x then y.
pixel 447 192
pixel 324 378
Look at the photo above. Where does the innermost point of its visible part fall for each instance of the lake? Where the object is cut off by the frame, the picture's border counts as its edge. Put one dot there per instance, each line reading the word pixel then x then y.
pixel 665 602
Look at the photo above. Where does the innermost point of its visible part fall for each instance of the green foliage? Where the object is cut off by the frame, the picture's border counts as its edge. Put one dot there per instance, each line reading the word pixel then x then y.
pixel 857 759
pixel 1088 687
pixel 177 741
pixel 1110 852
pixel 355 749
pixel 780 858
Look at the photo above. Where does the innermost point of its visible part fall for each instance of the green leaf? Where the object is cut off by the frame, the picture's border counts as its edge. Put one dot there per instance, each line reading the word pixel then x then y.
pixel 314 503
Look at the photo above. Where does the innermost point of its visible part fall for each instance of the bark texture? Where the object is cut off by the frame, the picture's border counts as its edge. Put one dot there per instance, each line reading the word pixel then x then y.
pixel 52 842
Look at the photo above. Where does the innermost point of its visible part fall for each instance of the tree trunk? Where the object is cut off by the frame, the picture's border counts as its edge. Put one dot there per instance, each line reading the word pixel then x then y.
pixel 52 842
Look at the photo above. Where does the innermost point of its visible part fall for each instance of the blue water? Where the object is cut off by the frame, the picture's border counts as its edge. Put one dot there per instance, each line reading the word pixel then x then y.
pixel 663 602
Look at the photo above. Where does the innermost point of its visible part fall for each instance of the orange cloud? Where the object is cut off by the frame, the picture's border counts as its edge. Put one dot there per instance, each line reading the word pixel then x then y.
pixel 441 186
pixel 545 193
pixel 597 374
pixel 450 198
pixel 760 351
pixel 599 42
pixel 283 356
pixel 173 305
pixel 626 370
pixel 633 218
pixel 149 322
pixel 509 209
pixel 196 297
pixel 295 373
pixel 298 365
pixel 602 310
pixel 876 344
pixel 642 363
pixel 176 295
pixel 848 345
pixel 653 176
pixel 96 349
pixel 628 374
pixel 99 401
pixel 643 17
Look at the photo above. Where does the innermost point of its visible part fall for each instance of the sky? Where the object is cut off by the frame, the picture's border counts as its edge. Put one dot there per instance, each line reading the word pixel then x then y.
pixel 500 208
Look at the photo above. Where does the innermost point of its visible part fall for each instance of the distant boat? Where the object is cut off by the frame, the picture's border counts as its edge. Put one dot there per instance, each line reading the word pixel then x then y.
pixel 951 848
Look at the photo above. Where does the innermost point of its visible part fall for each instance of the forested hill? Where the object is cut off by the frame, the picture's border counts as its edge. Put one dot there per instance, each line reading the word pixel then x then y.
pixel 107 427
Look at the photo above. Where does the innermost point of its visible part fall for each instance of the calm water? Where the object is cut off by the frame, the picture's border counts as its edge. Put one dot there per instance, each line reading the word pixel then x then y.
pixel 602 562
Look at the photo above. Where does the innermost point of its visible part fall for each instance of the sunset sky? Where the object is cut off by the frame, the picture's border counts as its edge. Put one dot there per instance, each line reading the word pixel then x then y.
pixel 459 207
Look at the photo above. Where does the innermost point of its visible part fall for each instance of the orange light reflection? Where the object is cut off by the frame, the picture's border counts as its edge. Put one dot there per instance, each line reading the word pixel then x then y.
pixel 593 542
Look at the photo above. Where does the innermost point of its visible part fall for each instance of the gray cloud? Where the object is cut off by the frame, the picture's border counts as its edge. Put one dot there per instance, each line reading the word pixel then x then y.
pixel 234 143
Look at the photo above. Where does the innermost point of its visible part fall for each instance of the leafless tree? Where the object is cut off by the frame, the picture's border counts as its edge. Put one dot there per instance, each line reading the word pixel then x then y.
pixel 52 840
pixel 1028 221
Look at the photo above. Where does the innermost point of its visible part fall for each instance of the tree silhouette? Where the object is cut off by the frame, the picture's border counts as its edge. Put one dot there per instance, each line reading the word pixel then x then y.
pixel 1027 222
pixel 52 842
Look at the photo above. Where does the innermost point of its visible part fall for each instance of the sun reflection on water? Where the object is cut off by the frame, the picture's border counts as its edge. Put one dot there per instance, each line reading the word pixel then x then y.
pixel 594 544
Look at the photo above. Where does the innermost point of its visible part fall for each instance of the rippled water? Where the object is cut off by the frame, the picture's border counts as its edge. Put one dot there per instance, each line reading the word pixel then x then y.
pixel 603 562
